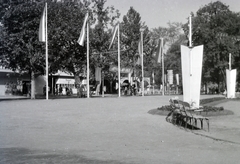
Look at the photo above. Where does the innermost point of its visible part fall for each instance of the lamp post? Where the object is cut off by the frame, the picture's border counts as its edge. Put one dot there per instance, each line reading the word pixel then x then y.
pixel 141 31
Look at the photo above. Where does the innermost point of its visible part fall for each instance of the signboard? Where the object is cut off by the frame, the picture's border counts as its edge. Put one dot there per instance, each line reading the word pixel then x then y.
pixel 170 76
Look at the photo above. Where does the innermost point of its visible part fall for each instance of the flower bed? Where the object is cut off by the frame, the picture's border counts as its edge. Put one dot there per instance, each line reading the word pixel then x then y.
pixel 207 109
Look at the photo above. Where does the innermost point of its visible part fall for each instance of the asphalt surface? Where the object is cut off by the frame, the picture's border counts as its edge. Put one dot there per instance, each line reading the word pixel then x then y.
pixel 111 130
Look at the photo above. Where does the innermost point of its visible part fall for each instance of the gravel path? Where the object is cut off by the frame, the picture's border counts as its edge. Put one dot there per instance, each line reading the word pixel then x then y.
pixel 111 130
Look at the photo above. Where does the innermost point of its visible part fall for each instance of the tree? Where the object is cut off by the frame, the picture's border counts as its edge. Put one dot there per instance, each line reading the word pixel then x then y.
pixel 65 22
pixel 100 36
pixel 217 28
pixel 20 48
pixel 172 37
pixel 130 37
pixel 173 57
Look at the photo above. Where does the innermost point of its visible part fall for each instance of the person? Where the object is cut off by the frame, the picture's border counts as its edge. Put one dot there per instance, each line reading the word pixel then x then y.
pixel 56 90
pixel 125 90
pixel 67 93
pixel 44 90
pixel 81 91
pixel 134 89
pixel 60 90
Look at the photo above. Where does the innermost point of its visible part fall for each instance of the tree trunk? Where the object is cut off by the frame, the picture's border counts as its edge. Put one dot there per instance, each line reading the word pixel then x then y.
pixel 32 85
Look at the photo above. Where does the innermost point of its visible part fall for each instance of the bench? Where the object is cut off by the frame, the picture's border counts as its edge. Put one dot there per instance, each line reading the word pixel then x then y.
pixel 175 111
pixel 183 112
pixel 191 114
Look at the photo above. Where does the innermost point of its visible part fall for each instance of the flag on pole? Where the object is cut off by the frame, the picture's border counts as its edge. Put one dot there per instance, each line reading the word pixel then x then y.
pixel 82 34
pixel 115 31
pixel 44 38
pixel 153 77
pixel 114 34
pixel 159 51
pixel 139 52
pixel 42 27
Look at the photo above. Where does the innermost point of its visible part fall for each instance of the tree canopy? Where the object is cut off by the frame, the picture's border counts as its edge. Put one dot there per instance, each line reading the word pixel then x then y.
pixel 217 28
pixel 20 48
pixel 214 26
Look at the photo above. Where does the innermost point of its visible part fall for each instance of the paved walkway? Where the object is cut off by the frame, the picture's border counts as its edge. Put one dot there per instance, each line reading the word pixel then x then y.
pixel 111 130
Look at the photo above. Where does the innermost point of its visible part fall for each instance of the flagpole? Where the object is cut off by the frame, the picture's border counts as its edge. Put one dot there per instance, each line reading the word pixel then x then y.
pixel 119 62
pixel 87 60
pixel 46 44
pixel 190 31
pixel 163 86
pixel 230 62
pixel 141 30
pixel 153 81
pixel 190 56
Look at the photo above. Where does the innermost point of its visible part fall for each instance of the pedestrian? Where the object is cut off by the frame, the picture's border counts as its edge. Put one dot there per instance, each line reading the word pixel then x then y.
pixel 60 90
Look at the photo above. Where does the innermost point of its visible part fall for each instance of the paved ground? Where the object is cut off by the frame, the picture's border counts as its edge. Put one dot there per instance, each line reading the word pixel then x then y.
pixel 111 130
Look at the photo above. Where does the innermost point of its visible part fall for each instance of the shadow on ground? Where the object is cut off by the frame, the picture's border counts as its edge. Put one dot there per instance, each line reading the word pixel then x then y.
pixel 23 155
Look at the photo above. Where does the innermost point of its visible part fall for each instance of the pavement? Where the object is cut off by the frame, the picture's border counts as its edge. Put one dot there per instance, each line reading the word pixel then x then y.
pixel 112 130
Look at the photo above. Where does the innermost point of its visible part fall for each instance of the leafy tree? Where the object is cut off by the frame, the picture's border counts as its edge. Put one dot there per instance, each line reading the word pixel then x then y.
pixel 130 37
pixel 19 35
pixel 172 37
pixel 217 28
pixel 20 48
pixel 65 22
pixel 173 57
pixel 100 36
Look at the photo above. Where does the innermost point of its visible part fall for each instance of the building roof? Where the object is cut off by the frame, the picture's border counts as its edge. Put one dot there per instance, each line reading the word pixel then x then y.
pixel 61 73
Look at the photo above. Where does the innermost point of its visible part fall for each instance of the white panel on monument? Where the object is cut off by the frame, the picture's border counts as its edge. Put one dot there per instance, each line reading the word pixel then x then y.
pixel 231 83
pixel 191 59
pixel 185 61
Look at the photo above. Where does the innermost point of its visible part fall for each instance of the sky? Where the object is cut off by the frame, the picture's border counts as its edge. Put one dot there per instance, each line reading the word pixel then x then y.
pixel 157 13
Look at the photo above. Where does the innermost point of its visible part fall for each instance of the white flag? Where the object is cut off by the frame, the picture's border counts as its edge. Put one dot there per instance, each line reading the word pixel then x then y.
pixel 82 34
pixel 42 27
pixel 114 34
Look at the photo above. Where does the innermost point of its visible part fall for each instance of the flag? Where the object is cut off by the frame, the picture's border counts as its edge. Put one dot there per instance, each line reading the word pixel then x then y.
pixel 140 48
pixel 139 52
pixel 82 34
pixel 114 34
pixel 177 79
pixel 159 51
pixel 42 27
pixel 153 77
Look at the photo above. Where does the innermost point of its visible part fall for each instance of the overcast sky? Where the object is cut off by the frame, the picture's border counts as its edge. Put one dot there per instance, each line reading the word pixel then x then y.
pixel 157 13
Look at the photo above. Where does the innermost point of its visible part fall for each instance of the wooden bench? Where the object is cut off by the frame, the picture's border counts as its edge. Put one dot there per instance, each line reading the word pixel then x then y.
pixel 183 112
pixel 192 116
pixel 175 112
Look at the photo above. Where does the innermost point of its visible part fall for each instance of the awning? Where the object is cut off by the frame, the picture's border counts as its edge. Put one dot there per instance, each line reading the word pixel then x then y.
pixel 65 81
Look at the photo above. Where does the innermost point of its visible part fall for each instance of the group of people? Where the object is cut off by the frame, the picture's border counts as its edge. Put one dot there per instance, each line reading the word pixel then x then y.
pixel 81 91
pixel 130 90
pixel 59 90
